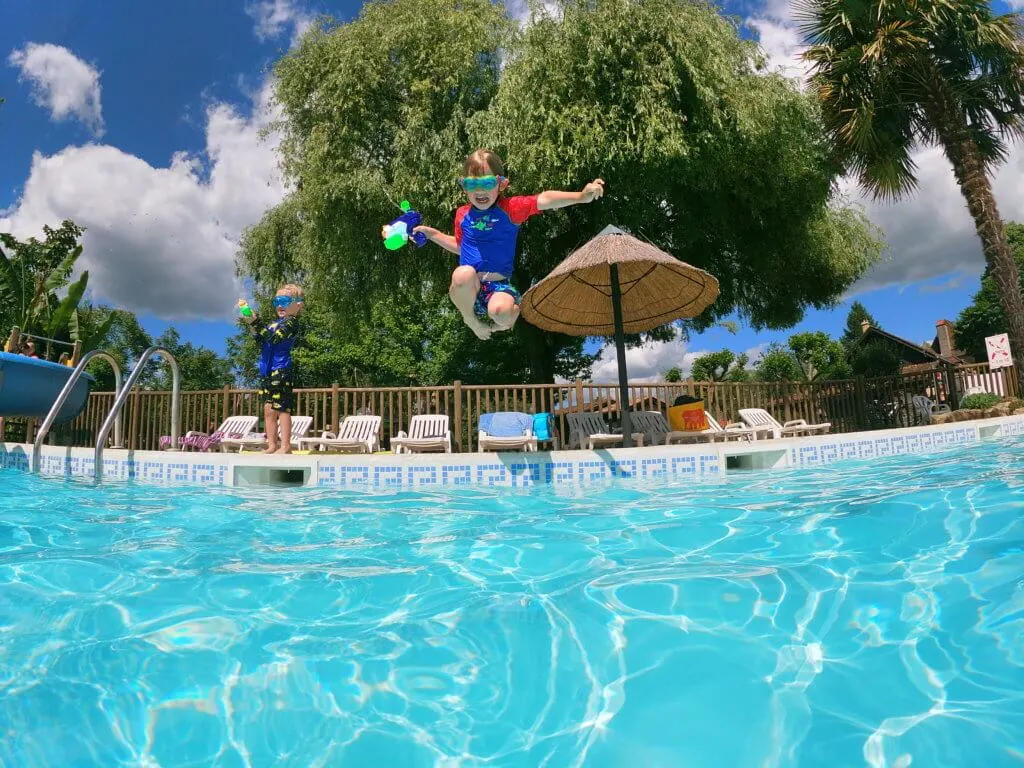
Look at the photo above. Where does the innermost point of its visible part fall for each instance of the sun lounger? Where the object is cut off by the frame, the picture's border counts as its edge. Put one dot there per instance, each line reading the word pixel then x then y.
pixel 759 417
pixel 300 426
pixel 356 434
pixel 426 433
pixel 589 432
pixel 233 427
pixel 506 431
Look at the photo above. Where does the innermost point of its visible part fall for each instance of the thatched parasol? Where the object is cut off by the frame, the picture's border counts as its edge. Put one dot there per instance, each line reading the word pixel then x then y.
pixel 617 284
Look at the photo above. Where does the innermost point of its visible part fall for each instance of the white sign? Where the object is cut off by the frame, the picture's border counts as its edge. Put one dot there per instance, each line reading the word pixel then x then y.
pixel 998 348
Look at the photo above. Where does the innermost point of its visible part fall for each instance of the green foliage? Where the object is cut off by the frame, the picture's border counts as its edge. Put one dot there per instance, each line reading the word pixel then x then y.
pixel 854 324
pixel 117 332
pixel 673 374
pixel 704 155
pixel 819 356
pixel 31 274
pixel 721 366
pixel 200 368
pixel 778 364
pixel 983 400
pixel 874 359
pixel 985 316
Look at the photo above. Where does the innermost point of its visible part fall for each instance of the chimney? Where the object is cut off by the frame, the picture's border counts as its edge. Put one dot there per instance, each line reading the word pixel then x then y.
pixel 944 331
pixel 864 326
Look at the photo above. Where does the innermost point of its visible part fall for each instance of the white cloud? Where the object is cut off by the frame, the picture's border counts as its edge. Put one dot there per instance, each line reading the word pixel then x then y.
pixel 62 83
pixel 520 9
pixel 160 240
pixel 646 363
pixel 274 18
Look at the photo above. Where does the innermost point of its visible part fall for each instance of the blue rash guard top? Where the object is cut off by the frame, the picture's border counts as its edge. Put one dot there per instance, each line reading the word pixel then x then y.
pixel 487 239
pixel 277 340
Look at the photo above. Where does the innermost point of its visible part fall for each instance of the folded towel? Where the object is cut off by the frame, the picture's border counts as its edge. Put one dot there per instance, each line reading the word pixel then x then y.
pixel 506 423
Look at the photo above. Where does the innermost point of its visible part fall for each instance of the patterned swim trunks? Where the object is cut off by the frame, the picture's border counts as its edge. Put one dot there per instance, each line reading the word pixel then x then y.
pixel 488 288
pixel 278 390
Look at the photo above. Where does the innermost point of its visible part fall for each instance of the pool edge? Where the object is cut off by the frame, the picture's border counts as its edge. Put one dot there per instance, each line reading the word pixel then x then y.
pixel 703 462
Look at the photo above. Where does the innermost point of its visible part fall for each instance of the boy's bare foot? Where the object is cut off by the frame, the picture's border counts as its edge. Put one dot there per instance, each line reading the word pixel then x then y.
pixel 271 450
pixel 284 449
pixel 482 330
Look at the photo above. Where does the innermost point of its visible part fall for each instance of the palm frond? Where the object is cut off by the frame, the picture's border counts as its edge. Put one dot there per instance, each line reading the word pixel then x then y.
pixel 892 75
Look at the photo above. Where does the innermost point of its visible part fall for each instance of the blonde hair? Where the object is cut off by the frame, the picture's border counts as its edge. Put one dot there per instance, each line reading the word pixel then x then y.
pixel 484 160
pixel 290 289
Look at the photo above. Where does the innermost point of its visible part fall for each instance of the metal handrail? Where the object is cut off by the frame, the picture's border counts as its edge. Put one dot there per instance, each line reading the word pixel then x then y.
pixel 122 398
pixel 65 393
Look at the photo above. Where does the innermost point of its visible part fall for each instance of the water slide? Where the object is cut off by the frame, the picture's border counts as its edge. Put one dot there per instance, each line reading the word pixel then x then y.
pixel 29 388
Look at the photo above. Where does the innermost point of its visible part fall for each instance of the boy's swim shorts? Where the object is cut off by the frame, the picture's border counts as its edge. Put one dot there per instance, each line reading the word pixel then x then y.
pixel 278 390
pixel 489 288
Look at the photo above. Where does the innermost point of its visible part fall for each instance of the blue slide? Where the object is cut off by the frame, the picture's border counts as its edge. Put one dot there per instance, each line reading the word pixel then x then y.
pixel 29 387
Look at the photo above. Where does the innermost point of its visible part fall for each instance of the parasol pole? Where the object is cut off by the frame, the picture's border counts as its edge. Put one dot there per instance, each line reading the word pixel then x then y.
pixel 620 355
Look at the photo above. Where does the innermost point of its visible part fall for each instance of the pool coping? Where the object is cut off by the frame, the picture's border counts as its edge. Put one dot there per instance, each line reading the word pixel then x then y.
pixel 703 461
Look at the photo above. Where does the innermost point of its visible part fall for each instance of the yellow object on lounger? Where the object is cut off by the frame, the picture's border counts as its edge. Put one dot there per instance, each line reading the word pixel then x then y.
pixel 688 416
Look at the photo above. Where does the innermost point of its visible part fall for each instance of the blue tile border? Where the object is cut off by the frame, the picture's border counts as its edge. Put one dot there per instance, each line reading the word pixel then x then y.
pixel 519 470
pixel 824 452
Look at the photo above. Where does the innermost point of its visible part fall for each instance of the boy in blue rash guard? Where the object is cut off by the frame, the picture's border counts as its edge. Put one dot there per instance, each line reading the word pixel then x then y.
pixel 276 380
pixel 486 231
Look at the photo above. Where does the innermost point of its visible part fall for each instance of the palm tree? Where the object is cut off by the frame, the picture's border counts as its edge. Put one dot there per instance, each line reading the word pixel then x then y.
pixel 895 75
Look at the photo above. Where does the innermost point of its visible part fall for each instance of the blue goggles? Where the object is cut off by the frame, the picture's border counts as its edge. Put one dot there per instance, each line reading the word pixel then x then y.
pixel 281 302
pixel 481 183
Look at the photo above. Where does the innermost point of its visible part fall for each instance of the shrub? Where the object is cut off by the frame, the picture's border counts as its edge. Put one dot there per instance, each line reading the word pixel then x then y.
pixel 985 400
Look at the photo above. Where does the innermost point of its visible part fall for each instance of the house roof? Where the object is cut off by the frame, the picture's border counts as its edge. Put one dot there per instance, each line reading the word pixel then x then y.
pixel 912 353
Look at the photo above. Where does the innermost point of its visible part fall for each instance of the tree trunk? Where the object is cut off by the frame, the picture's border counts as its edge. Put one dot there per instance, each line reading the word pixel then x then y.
pixel 971 174
pixel 542 359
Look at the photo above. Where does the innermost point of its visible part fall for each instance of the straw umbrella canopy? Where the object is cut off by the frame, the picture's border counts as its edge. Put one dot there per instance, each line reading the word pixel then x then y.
pixel 616 284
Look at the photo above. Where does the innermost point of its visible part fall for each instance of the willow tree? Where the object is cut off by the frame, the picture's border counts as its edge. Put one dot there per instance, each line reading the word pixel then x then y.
pixel 895 76
pixel 704 153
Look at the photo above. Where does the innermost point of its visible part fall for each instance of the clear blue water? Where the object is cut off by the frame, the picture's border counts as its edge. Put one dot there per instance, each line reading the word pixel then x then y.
pixel 862 615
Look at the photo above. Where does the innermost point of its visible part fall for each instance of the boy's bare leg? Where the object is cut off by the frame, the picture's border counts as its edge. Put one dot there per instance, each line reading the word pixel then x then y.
pixel 463 291
pixel 286 432
pixel 270 420
pixel 503 311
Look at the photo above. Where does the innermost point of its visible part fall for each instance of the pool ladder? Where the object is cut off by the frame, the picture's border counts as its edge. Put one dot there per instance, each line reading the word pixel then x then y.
pixel 121 393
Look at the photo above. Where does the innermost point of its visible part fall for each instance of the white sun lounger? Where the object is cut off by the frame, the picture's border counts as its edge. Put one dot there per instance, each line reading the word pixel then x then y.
pixel 300 426
pixel 356 434
pixel 759 417
pixel 426 433
pixel 233 427
pixel 506 431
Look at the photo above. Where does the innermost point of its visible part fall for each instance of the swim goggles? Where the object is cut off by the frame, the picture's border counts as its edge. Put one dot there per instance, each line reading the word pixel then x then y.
pixel 481 183
pixel 281 302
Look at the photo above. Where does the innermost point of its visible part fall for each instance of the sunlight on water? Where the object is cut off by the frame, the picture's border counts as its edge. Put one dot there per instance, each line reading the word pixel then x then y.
pixel 869 614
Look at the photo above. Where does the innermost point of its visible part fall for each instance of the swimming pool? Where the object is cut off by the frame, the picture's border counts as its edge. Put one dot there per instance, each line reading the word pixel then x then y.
pixel 867 613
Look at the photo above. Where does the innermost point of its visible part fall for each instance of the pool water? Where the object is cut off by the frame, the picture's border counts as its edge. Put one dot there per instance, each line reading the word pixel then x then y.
pixel 867 614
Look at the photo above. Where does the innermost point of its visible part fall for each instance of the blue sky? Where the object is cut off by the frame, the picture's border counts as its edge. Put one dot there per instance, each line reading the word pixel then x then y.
pixel 142 120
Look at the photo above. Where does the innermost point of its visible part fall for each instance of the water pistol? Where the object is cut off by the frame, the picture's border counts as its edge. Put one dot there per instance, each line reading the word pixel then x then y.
pixel 243 308
pixel 397 233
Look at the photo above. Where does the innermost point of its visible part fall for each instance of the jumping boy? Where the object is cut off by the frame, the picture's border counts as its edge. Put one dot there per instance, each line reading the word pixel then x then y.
pixel 486 230
pixel 276 379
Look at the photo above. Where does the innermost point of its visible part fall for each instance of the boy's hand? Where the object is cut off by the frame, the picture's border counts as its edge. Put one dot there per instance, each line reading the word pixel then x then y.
pixel 430 232
pixel 438 237
pixel 592 191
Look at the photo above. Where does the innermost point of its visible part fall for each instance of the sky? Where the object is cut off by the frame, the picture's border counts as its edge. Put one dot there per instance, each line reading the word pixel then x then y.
pixel 144 123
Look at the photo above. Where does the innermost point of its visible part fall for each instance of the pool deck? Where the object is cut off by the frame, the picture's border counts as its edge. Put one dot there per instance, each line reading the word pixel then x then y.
pixel 702 461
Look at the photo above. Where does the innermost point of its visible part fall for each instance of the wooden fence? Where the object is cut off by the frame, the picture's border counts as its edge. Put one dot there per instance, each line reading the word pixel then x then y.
pixel 850 405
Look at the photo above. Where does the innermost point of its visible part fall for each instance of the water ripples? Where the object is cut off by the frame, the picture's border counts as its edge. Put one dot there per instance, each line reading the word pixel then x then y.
pixel 860 614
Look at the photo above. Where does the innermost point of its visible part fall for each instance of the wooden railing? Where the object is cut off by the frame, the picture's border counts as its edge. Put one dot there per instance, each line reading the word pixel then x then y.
pixel 850 405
